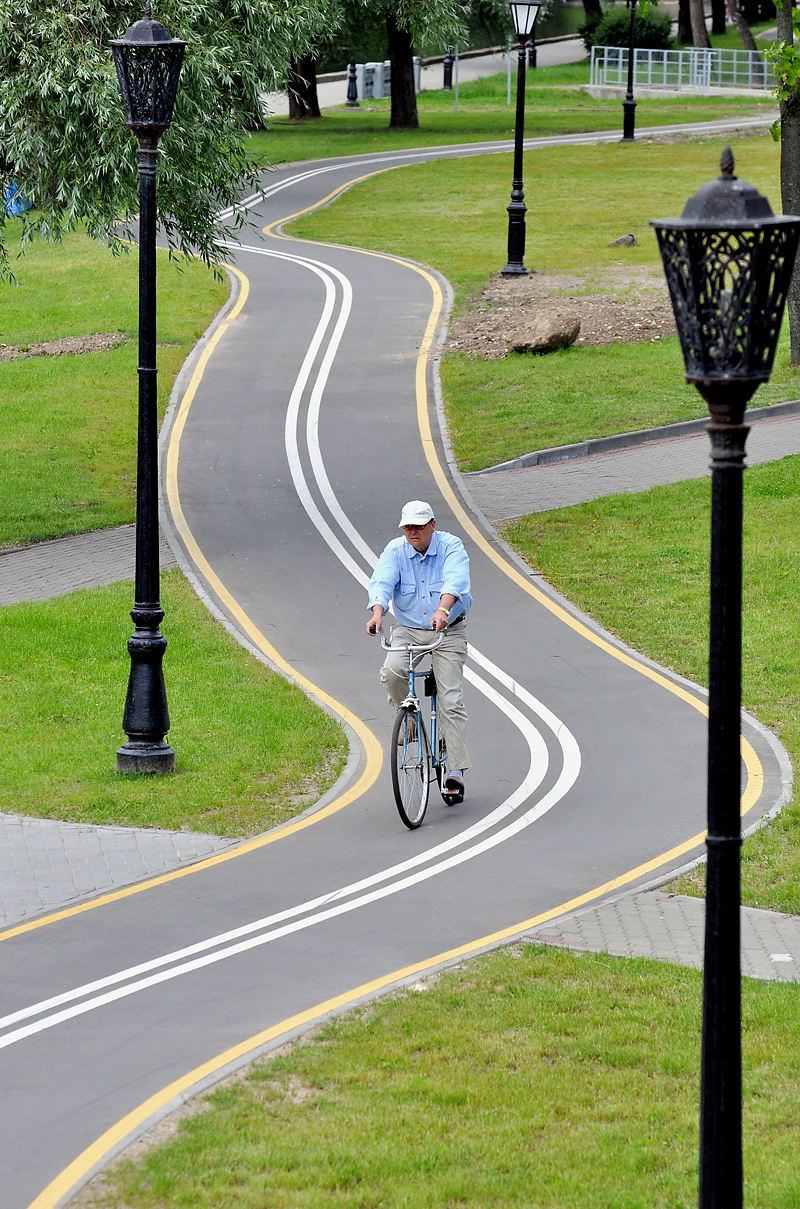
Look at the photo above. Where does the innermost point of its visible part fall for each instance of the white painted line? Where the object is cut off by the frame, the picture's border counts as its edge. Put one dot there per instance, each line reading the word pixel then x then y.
pixel 781 957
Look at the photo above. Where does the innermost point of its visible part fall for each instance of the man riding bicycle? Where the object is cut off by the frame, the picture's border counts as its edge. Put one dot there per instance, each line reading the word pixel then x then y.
pixel 425 574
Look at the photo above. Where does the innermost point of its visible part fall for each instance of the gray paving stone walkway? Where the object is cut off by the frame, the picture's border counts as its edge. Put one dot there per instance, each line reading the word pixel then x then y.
pixel 670 927
pixel 46 864
pixel 503 494
pixel 87 560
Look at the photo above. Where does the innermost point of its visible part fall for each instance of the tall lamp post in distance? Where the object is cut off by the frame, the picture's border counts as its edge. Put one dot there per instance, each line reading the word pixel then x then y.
pixel 523 14
pixel 629 105
pixel 148 62
pixel 728 262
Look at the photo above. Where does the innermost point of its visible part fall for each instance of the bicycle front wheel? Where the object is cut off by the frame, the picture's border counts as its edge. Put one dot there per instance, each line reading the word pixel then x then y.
pixel 411 767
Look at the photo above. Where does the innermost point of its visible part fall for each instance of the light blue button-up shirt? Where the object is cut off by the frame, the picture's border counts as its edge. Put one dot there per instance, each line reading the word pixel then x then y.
pixel 415 582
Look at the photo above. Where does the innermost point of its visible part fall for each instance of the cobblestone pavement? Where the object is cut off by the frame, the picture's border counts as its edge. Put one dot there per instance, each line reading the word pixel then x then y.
pixel 503 494
pixel 87 560
pixel 670 927
pixel 46 864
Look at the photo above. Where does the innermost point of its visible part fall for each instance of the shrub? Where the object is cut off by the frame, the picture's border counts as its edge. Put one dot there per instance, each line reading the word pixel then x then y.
pixel 651 31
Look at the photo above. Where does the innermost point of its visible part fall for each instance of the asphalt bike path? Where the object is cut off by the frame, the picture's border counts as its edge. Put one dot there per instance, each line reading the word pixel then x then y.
pixel 307 418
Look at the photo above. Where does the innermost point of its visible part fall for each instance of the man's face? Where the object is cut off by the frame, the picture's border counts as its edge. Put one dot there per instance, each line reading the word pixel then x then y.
pixel 419 536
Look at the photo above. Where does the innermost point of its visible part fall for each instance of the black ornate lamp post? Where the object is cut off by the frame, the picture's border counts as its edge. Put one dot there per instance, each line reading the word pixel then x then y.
pixel 447 69
pixel 728 262
pixel 352 86
pixel 148 63
pixel 629 105
pixel 523 14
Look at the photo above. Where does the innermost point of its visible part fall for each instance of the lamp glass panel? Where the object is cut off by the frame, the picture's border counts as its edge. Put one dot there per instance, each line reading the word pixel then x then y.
pixel 728 291
pixel 523 14
pixel 148 77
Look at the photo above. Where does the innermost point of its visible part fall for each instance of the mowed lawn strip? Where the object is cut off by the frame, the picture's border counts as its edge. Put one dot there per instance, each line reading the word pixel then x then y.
pixel 68 423
pixel 555 103
pixel 451 215
pixel 252 749
pixel 532 1077
pixel 639 565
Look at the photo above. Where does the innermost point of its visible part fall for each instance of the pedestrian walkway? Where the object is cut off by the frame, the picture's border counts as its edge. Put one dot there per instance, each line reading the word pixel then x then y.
pixel 670 927
pixel 332 89
pixel 87 560
pixel 46 864
pixel 504 494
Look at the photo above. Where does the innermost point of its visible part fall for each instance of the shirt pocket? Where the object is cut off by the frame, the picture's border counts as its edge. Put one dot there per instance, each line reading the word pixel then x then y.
pixel 405 591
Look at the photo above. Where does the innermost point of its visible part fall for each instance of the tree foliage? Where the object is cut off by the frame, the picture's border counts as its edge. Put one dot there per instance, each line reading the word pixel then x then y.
pixel 651 30
pixel 63 141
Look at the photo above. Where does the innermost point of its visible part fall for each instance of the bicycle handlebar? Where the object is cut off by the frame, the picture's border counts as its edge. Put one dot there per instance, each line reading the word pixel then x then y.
pixel 412 646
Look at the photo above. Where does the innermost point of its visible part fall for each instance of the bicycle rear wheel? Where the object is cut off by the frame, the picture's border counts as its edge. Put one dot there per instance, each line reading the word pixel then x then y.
pixel 411 767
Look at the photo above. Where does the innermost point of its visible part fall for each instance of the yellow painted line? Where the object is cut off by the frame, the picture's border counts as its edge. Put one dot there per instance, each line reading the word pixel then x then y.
pixel 107 1142
pixel 755 772
pixel 269 229
pixel 372 748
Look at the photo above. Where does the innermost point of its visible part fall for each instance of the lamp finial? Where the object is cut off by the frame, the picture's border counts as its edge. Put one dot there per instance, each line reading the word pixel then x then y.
pixel 726 164
pixel 147 12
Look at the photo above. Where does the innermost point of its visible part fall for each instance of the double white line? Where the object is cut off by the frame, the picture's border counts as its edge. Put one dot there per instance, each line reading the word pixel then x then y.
pixel 456 850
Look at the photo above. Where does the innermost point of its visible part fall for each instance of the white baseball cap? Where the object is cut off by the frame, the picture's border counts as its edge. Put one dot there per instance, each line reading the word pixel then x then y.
pixel 416 512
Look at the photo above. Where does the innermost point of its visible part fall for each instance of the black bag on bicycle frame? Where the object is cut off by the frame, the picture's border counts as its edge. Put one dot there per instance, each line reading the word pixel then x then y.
pixel 429 683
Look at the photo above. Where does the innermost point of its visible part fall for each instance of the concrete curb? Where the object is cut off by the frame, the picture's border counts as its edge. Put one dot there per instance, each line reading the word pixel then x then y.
pixel 625 440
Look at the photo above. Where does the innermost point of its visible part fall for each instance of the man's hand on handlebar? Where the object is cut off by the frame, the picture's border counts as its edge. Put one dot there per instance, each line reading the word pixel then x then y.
pixel 375 623
pixel 439 621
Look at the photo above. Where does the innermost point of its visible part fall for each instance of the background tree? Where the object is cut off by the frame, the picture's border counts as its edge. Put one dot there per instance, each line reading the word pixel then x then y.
pixel 785 61
pixel 740 24
pixel 684 22
pixel 697 17
pixel 63 140
pixel 301 85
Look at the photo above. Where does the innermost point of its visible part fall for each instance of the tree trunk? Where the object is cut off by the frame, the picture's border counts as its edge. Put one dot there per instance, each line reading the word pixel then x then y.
pixel 592 8
pixel 302 86
pixel 718 16
pixel 699 32
pixel 401 57
pixel 684 23
pixel 742 28
pixel 790 174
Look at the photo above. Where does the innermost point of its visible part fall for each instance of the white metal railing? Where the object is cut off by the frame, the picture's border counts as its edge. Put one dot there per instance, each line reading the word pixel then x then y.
pixel 700 70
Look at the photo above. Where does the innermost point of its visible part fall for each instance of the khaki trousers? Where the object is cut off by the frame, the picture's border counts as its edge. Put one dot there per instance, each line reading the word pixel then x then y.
pixel 448 668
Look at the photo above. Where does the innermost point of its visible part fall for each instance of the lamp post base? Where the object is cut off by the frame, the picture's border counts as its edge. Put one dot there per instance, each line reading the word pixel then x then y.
pixel 145 758
pixel 628 122
pixel 514 269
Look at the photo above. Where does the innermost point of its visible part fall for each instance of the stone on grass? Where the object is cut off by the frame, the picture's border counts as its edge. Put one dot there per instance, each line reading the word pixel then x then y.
pixel 624 241
pixel 546 332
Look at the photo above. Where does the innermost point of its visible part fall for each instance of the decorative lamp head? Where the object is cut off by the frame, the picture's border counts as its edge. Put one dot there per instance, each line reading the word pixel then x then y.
pixel 728 262
pixel 524 14
pixel 148 62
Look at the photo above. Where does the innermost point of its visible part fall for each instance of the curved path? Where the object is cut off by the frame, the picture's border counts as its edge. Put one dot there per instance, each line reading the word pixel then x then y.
pixel 309 416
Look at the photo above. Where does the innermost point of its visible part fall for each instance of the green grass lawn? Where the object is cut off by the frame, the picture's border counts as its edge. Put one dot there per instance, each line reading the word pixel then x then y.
pixel 554 104
pixel 451 215
pixel 252 750
pixel 639 565
pixel 531 1078
pixel 68 423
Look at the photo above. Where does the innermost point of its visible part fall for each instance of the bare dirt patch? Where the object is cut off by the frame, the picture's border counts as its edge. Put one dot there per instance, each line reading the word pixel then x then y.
pixel 68 346
pixel 622 304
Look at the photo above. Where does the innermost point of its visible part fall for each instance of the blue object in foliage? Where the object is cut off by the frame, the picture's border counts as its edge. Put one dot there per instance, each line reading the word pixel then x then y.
pixel 13 200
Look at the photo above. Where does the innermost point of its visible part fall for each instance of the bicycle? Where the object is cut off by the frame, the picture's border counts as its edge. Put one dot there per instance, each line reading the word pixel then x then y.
pixel 414 754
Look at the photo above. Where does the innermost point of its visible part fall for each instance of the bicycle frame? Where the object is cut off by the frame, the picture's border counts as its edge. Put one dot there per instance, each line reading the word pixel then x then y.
pixel 412 701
